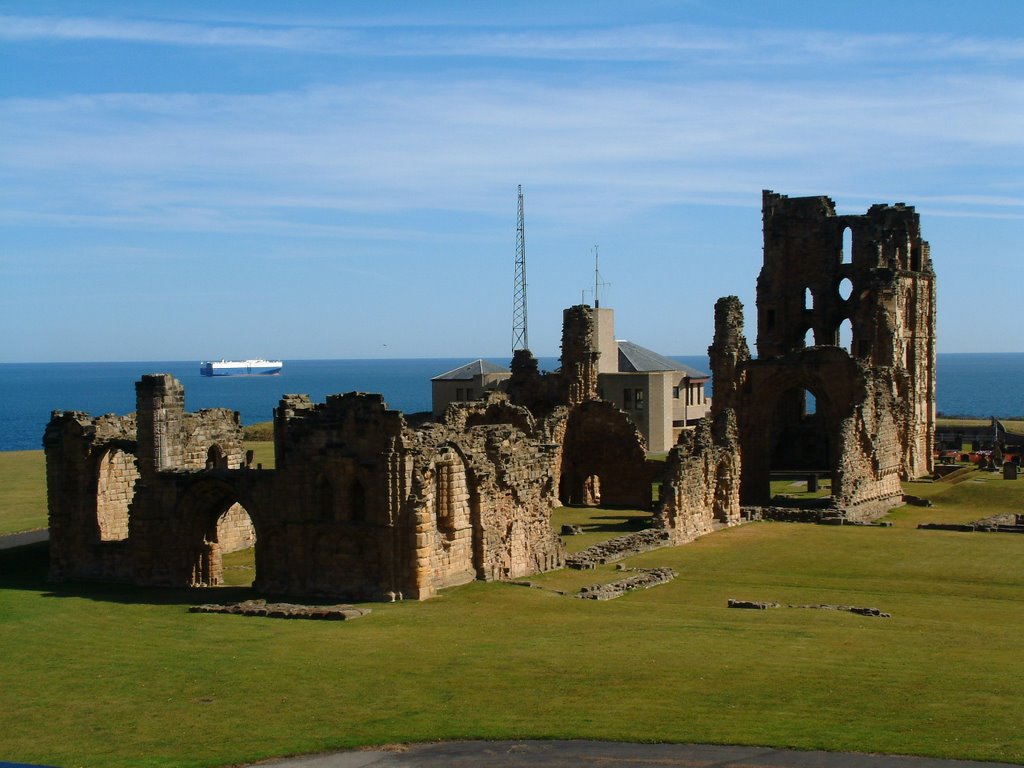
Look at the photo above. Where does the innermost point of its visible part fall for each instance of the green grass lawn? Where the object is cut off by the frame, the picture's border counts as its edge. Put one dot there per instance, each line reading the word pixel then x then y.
pixel 263 452
pixel 979 495
pixel 104 675
pixel 22 491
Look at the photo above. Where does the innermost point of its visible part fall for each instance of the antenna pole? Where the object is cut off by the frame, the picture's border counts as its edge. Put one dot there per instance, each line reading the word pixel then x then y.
pixel 598 283
pixel 519 335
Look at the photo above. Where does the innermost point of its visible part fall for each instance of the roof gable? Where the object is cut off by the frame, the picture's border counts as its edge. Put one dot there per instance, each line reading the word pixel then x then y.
pixel 636 359
pixel 470 370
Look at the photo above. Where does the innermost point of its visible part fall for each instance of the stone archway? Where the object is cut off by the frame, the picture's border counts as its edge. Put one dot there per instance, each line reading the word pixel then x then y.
pixel 603 458
pixel 792 414
pixel 221 535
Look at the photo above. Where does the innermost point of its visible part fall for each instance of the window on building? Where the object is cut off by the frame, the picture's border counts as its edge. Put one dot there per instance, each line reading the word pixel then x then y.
pixel 469 394
pixel 638 399
pixel 627 399
pixel 675 393
pixel 459 394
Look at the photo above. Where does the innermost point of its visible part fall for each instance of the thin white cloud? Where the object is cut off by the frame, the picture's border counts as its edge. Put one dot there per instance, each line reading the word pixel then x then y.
pixel 281 162
pixel 22 28
pixel 653 42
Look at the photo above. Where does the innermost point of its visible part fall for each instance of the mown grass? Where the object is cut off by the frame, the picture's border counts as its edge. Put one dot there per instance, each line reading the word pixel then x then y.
pixel 22 491
pixel 263 452
pixel 979 495
pixel 105 675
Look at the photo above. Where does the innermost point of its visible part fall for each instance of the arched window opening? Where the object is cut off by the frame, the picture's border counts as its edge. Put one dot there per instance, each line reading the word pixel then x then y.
pixel 234 543
pixel 847 246
pixel 809 338
pixel 810 404
pixel 451 494
pixel 215 458
pixel 799 458
pixel 115 489
pixel 846 335
pixel 845 288
pixel 808 298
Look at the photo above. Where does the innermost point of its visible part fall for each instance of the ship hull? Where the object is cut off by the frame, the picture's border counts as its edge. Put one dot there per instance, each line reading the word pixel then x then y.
pixel 241 368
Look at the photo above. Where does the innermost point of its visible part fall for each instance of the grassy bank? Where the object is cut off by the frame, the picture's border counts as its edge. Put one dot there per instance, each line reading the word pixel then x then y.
pixel 22 491
pixel 123 677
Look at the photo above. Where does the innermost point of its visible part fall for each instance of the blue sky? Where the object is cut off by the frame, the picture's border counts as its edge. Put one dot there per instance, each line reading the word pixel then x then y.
pixel 191 180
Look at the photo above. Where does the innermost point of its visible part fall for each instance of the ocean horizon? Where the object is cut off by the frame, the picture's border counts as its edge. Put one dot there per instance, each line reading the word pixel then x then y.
pixel 972 384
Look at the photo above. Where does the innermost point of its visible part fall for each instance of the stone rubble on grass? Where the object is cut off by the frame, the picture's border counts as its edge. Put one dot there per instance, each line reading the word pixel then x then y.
pixel 284 610
pixel 644 578
pixel 762 605
pixel 1010 522
pixel 619 548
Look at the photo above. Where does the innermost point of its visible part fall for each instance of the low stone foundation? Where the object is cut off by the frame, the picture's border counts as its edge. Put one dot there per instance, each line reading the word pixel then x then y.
pixel 284 610
pixel 826 515
pixel 1005 523
pixel 619 548
pixel 764 605
pixel 644 578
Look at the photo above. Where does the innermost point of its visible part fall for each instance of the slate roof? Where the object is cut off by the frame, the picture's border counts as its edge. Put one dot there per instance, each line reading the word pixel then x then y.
pixel 636 359
pixel 469 370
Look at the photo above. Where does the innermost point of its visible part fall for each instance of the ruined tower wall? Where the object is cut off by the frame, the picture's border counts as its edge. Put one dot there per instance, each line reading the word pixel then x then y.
pixel 343 526
pixel 868 476
pixel 160 409
pixel 701 480
pixel 872 271
pixel 515 491
pixel 90 481
pixel 212 440
pixel 579 355
pixel 728 351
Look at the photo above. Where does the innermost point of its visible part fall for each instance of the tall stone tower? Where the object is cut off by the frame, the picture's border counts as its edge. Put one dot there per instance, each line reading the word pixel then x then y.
pixel 727 352
pixel 160 407
pixel 872 272
pixel 579 355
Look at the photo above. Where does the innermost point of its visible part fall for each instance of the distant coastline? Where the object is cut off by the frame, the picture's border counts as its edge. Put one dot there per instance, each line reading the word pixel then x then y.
pixel 969 384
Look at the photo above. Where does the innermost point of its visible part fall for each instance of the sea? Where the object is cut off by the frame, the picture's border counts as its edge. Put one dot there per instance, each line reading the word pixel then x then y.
pixel 967 384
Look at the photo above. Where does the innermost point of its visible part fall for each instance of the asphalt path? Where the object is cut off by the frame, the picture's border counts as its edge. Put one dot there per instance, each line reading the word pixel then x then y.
pixel 12 540
pixel 603 754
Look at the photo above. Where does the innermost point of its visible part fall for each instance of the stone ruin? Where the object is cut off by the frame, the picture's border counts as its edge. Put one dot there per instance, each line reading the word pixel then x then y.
pixel 862 416
pixel 362 506
pixel 359 504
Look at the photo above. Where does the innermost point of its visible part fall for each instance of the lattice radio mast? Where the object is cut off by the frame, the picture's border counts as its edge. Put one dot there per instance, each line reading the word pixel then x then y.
pixel 519 337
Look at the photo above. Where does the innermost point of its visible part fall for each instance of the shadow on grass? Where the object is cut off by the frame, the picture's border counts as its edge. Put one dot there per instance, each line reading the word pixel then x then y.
pixel 617 524
pixel 807 502
pixel 26 568
pixel 612 522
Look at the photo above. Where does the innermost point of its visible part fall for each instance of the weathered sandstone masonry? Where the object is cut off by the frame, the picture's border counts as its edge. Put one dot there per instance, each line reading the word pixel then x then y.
pixel 863 416
pixel 701 487
pixel 362 506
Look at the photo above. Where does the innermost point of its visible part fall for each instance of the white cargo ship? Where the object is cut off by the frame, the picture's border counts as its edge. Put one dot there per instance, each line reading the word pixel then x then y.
pixel 241 367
